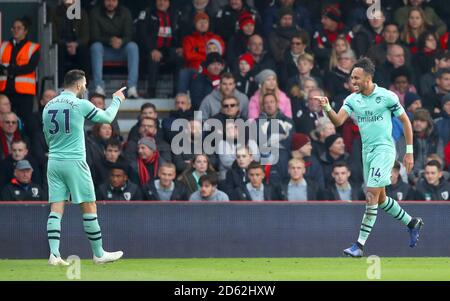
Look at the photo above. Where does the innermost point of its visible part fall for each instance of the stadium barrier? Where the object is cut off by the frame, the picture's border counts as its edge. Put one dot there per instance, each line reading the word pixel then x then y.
pixel 237 229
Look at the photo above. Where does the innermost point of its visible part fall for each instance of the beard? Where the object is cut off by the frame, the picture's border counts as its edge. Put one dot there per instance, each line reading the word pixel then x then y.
pixel 82 94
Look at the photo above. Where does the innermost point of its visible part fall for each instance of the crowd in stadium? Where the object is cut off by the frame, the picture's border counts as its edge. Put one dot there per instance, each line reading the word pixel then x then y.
pixel 263 61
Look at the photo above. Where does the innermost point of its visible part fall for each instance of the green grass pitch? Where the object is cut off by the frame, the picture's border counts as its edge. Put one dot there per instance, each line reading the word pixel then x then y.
pixel 234 269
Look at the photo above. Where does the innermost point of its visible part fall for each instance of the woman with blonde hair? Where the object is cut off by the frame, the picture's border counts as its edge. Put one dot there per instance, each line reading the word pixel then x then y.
pixel 414 27
pixel 267 81
pixel 340 45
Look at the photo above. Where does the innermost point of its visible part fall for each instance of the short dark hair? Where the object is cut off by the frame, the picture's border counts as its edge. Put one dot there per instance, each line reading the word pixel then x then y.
pixel 366 65
pixel 390 23
pixel 114 143
pixel 97 95
pixel 148 105
pixel 301 35
pixel 396 165
pixel 120 166
pixel 72 77
pixel 255 165
pixel 442 71
pixel 401 71
pixel 434 163
pixel 227 75
pixel 340 164
pixel 210 177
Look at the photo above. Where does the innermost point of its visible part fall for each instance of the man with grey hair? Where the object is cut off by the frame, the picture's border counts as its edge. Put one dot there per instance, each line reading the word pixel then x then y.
pixel 183 110
pixel 395 58
pixel 307 121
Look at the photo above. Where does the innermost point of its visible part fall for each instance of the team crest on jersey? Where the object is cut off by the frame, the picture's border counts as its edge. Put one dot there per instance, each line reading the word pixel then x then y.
pixel 378 99
pixel 444 195
pixel 35 192
pixel 400 196
pixel 127 196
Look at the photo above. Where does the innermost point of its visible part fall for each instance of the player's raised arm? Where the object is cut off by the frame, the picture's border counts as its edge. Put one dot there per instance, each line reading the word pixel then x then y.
pixel 104 116
pixel 336 118
pixel 408 159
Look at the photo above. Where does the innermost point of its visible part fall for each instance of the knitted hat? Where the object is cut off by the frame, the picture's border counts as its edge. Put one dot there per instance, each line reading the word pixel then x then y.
pixel 330 140
pixel 149 142
pixel 299 140
pixel 333 12
pixel 285 10
pixel 245 18
pixel 410 98
pixel 218 45
pixel 248 58
pixel 214 57
pixel 263 75
pixel 200 16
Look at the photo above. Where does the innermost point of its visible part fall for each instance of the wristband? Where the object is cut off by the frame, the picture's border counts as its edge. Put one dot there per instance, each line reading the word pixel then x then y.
pixel 409 149
pixel 327 108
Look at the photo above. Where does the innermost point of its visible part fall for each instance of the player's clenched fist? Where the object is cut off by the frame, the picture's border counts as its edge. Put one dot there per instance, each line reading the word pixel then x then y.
pixel 119 93
pixel 323 100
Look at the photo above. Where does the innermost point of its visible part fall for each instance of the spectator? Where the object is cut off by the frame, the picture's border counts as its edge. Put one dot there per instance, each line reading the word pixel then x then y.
pixel 304 71
pixel 226 20
pixel 111 27
pixel 425 141
pixel 5 107
pixel 209 79
pixel 433 187
pixel 291 65
pixel 237 45
pixel 245 81
pixel 324 37
pixel 428 80
pixel 118 188
pixel 22 188
pixel 99 101
pixel 313 111
pixel 165 188
pixel 237 175
pixel 443 122
pixel 212 103
pixel 148 110
pixel 401 83
pixel 338 77
pixel 274 146
pixel 427 51
pixel 255 189
pixel 229 111
pixel 72 37
pixel 20 57
pixel 9 133
pixel 335 152
pixel 301 15
pixel 199 165
pixel 208 190
pixel 183 110
pixel 341 189
pixel 262 58
pixel 401 15
pixel 148 128
pixel 298 188
pixel 324 128
pixel 145 167
pixel 398 189
pixel 194 50
pixel 96 142
pixel 432 101
pixel 369 34
pixel 299 93
pixel 159 42
pixel 395 58
pixel 19 151
pixel 339 46
pixel 280 38
pixel 111 156
pixel 412 103
pixel 187 13
pixel 414 27
pixel 391 35
pixel 267 80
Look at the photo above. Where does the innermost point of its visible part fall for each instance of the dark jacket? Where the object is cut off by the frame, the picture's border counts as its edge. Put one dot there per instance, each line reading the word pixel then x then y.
pixel 236 46
pixel 302 17
pixel 246 84
pixel 235 177
pixel 279 41
pixel 401 191
pixel 174 115
pixel 355 168
pixel 8 165
pixel 202 84
pixel 131 147
pixel 332 194
pixel 271 193
pixel 179 193
pixel 151 169
pixel 185 17
pixel 101 169
pixel 312 191
pixel 69 30
pixel 314 172
pixel 443 126
pixel 129 192
pixel 336 79
pixel 103 28
pixel 429 192
pixel 364 38
pixel 14 191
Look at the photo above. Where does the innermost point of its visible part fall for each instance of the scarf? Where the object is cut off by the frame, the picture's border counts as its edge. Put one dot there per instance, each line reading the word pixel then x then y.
pixel 144 177
pixel 165 30
pixel 4 141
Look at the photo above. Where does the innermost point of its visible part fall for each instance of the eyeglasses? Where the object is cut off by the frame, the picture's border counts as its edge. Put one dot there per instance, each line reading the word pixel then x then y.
pixel 226 106
pixel 10 122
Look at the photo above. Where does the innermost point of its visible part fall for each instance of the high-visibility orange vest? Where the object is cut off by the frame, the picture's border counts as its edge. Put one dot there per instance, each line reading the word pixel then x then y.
pixel 24 83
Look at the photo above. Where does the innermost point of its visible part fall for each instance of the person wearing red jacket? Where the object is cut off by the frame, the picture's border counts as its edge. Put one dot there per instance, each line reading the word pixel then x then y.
pixel 194 50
